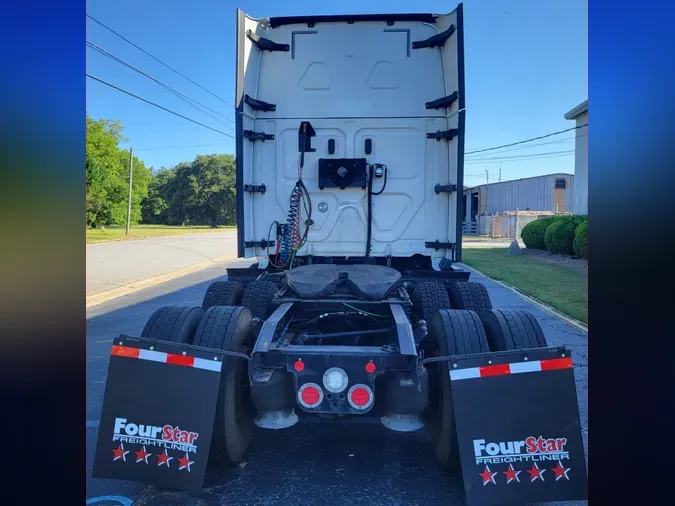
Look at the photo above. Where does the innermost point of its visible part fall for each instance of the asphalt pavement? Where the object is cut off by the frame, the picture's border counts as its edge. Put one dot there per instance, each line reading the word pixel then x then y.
pixel 114 264
pixel 312 463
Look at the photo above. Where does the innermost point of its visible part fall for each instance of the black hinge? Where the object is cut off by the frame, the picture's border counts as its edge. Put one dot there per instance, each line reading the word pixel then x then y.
pixel 259 105
pixel 439 245
pixel 266 44
pixel 445 188
pixel 443 102
pixel 435 40
pixel 445 134
pixel 258 136
pixel 253 188
pixel 259 244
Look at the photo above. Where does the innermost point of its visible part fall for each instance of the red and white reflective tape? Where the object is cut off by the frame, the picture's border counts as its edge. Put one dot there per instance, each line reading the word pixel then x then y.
pixel 515 368
pixel 167 358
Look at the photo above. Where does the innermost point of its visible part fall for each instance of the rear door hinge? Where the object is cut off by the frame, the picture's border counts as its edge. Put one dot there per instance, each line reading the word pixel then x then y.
pixel 266 44
pixel 439 245
pixel 253 188
pixel 259 105
pixel 257 136
pixel 449 188
pixel 435 40
pixel 443 102
pixel 444 134
pixel 264 243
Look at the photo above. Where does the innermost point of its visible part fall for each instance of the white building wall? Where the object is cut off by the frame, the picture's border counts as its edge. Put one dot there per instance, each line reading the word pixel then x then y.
pixel 581 167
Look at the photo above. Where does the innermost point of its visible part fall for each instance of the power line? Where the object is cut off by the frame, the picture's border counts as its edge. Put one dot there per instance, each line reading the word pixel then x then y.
pixel 527 140
pixel 515 157
pixel 172 90
pixel 157 105
pixel 562 141
pixel 158 60
pixel 180 147
pixel 520 159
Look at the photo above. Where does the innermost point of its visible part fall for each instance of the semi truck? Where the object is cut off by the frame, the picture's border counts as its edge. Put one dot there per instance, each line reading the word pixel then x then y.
pixel 350 134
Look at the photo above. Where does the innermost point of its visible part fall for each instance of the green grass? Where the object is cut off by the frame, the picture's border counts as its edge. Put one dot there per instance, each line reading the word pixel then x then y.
pixel 560 287
pixel 145 231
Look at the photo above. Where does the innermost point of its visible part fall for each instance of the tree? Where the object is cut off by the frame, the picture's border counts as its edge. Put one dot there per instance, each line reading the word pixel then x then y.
pixel 101 165
pixel 201 191
pixel 107 176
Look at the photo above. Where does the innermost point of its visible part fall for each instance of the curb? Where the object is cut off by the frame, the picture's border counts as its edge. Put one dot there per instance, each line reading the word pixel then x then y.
pixel 540 305
pixel 101 297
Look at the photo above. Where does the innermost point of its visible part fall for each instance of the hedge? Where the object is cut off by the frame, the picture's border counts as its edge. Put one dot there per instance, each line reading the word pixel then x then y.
pixel 533 233
pixel 581 240
pixel 559 236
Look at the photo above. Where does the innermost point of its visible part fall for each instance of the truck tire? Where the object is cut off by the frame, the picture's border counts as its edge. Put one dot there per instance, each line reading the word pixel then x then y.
pixel 228 328
pixel 176 324
pixel 512 330
pixel 428 298
pixel 469 295
pixel 258 297
pixel 451 332
pixel 223 293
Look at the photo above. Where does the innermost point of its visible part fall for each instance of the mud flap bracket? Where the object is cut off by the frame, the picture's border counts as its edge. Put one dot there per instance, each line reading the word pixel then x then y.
pixel 518 427
pixel 158 412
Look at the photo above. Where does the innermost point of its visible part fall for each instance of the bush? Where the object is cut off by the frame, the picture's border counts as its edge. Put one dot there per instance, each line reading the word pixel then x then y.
pixel 533 233
pixel 559 236
pixel 581 240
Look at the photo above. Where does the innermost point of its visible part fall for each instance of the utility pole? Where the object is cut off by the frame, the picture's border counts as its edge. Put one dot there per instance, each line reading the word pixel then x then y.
pixel 131 171
pixel 487 202
pixel 500 172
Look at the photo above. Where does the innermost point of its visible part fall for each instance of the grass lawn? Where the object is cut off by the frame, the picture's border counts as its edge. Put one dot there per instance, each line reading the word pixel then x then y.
pixel 562 288
pixel 145 231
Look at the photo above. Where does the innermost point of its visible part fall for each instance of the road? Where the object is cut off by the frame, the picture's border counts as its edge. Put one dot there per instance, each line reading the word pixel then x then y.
pixel 327 463
pixel 114 264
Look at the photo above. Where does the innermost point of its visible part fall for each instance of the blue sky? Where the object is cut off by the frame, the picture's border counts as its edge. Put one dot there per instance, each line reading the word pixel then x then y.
pixel 526 66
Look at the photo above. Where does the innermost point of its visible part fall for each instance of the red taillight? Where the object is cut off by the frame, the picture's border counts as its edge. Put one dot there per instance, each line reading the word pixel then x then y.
pixel 360 397
pixel 370 367
pixel 299 366
pixel 310 395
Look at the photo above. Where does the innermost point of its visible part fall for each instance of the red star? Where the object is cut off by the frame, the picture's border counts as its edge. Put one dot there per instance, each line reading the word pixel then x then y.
pixel 511 474
pixel 185 462
pixel 561 472
pixel 163 458
pixel 120 453
pixel 535 472
pixel 142 455
pixel 488 476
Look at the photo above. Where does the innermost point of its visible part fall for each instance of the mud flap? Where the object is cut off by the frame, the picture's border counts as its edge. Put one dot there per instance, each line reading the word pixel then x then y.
pixel 158 413
pixel 518 428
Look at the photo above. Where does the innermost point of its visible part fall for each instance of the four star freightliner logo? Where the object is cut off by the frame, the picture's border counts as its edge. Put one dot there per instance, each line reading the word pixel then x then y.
pixel 161 459
pixel 534 473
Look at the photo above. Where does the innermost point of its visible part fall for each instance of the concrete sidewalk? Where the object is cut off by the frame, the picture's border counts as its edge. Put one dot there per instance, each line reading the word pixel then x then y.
pixel 112 265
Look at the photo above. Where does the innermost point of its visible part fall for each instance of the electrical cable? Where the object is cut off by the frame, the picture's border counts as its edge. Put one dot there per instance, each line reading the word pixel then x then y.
pixel 562 141
pixel 157 105
pixel 527 140
pixel 517 157
pixel 158 60
pixel 145 74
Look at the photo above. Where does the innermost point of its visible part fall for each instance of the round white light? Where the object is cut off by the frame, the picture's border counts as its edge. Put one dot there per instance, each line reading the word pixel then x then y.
pixel 335 380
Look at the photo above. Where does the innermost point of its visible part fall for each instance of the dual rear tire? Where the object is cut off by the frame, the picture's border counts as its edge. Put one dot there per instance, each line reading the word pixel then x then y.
pixel 464 332
pixel 225 328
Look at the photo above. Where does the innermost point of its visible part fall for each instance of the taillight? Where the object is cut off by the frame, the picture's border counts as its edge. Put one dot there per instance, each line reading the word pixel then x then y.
pixel 360 397
pixel 310 395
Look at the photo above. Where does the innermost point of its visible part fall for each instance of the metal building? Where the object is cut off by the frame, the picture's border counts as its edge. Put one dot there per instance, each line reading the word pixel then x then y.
pixel 552 192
